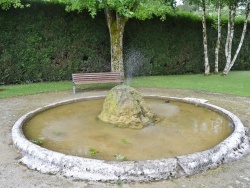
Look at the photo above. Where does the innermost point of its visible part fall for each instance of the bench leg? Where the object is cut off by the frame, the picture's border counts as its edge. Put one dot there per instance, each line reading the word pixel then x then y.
pixel 74 89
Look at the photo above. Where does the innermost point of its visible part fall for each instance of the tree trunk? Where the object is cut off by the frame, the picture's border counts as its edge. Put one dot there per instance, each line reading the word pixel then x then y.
pixel 217 48
pixel 116 24
pixel 204 32
pixel 230 35
pixel 242 36
pixel 228 31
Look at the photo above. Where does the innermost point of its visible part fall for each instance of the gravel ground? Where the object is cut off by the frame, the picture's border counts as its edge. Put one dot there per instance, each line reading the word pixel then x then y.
pixel 13 174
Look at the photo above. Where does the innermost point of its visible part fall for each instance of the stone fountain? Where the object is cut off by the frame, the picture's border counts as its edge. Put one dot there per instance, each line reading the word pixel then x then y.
pixel 125 107
pixel 137 116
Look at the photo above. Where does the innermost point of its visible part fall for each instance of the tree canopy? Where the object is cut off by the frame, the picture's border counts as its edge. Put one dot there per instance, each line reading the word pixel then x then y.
pixel 140 9
pixel 6 4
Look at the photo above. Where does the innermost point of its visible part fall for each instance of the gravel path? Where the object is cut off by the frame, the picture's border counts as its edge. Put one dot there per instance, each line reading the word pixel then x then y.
pixel 13 174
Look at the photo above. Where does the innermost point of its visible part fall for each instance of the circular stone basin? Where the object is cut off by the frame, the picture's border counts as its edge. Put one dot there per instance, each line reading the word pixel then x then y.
pixel 172 148
pixel 74 129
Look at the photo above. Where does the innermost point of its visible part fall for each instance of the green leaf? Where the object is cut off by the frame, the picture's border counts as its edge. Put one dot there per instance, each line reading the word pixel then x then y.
pixel 124 141
pixel 93 152
pixel 120 157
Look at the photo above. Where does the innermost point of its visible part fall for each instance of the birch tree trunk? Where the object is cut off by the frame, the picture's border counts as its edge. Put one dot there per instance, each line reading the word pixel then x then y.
pixel 228 31
pixel 116 24
pixel 230 35
pixel 241 39
pixel 204 32
pixel 217 48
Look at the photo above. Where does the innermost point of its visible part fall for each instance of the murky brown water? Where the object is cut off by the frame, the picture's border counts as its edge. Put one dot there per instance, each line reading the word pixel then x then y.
pixel 74 129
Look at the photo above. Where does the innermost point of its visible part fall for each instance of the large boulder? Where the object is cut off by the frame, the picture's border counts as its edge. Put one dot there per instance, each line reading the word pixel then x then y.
pixel 125 107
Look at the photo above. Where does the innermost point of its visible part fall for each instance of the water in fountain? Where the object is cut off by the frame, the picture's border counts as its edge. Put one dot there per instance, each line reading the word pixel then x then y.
pixel 74 129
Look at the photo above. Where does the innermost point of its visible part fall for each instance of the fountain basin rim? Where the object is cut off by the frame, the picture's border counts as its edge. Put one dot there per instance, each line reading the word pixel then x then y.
pixel 47 161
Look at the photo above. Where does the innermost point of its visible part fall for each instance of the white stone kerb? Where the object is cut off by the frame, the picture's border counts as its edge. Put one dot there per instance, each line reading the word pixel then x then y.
pixel 47 161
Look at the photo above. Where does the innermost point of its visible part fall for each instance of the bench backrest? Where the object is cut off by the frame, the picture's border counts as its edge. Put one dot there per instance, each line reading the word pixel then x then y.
pixel 96 77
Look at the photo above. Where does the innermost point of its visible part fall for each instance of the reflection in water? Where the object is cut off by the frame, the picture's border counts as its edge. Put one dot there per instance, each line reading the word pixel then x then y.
pixel 214 126
pixel 74 129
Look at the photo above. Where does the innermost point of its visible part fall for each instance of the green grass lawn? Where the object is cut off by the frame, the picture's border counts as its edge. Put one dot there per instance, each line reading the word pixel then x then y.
pixel 235 83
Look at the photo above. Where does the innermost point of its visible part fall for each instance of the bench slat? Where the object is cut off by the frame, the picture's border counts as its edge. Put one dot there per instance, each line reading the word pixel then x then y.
pixel 98 78
pixel 103 73
pixel 95 82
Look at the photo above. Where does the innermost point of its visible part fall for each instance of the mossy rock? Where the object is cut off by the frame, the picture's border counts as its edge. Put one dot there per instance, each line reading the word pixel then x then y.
pixel 125 107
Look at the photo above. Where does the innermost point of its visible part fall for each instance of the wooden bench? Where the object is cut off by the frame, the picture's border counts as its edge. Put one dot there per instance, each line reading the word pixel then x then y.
pixel 95 78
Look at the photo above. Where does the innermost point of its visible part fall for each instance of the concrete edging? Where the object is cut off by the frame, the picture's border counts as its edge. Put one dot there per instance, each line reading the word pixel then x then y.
pixel 47 161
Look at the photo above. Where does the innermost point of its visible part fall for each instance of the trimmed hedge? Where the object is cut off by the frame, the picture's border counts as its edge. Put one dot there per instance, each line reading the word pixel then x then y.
pixel 45 43
pixel 170 47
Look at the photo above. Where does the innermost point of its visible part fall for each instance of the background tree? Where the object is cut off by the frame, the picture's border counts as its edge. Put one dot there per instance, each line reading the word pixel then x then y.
pixel 218 5
pixel 203 5
pixel 232 7
pixel 117 13
pixel 6 4
pixel 230 34
pixel 204 33
pixel 188 6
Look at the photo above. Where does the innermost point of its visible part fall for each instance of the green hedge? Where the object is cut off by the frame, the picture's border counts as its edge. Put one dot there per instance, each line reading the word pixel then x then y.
pixel 45 43
pixel 170 47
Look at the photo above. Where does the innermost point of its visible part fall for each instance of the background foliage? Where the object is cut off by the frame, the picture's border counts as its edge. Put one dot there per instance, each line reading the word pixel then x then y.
pixel 46 43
